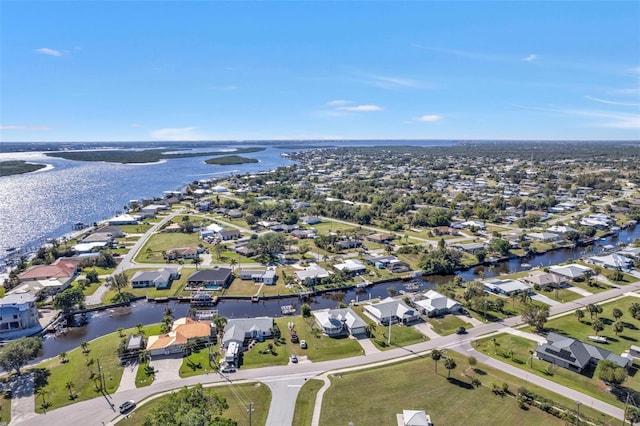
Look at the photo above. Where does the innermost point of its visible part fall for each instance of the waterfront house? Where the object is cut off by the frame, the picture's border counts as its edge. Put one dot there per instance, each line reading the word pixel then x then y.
pixel 571 271
pixel 18 315
pixel 433 304
pixel 312 275
pixel 266 276
pixel 575 355
pixel 43 280
pixel 210 278
pixel 336 322
pixel 124 219
pixel 392 310
pixel 612 261
pixel 183 330
pixel 506 287
pixel 160 279
pixel 548 237
pixel 543 279
pixel 351 266
pixel 241 330
pixel 471 248
pixel 115 231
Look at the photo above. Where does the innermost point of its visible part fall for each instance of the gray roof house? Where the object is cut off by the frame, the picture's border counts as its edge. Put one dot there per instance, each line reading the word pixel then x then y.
pixel 392 310
pixel 220 277
pixel 241 329
pixel 575 355
pixel 436 304
pixel 160 279
pixel 335 322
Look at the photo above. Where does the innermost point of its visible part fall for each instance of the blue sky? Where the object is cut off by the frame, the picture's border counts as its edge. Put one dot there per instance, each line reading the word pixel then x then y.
pixel 151 70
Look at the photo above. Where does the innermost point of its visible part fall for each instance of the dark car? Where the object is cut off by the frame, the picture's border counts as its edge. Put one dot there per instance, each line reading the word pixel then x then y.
pixel 127 406
pixel 461 330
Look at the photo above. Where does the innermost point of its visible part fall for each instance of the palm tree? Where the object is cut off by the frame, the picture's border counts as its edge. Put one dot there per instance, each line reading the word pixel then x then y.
pixel 616 313
pixel 579 314
pixel 618 328
pixel 370 328
pixel 143 356
pixel 449 364
pixel 69 386
pixel 597 326
pixel 233 262
pixel 63 357
pixel 85 347
pixel 436 355
pixel 524 297
pixel 591 308
pixel 140 327
pixel 120 331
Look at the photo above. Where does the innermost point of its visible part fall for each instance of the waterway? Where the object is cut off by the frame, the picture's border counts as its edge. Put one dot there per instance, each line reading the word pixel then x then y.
pixel 104 322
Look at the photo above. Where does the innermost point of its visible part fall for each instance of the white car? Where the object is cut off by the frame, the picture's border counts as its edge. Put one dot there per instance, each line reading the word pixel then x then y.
pixel 127 406
pixel 228 369
pixel 303 344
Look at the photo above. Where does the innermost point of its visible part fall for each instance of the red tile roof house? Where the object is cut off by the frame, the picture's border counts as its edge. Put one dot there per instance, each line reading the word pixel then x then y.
pixel 60 274
pixel 184 329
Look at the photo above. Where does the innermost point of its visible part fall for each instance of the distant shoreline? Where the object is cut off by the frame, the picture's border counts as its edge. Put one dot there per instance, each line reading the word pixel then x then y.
pixel 18 167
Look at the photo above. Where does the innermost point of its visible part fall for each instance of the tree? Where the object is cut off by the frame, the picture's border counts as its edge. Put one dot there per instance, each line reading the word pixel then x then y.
pixel 472 361
pixel 85 347
pixel 617 313
pixel 597 326
pixel 69 387
pixel 525 297
pixel 579 314
pixel 233 263
pixel 63 357
pixel 92 276
pixel 436 355
pixel 536 316
pixel 68 299
pixel 449 364
pixel 140 328
pixel 370 328
pixel 16 353
pixel 306 310
pixel 634 310
pixel 190 406
pixel 117 282
pixel 618 328
pixel 610 372
pixel 120 331
pixel 632 414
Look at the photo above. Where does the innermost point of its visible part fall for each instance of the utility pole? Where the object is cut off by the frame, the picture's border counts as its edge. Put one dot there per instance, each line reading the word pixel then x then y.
pixel 389 338
pixel 578 418
pixel 250 411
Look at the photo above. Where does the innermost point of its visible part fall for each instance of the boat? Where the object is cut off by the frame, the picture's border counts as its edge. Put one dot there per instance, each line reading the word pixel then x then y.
pixel 412 285
pixel 525 266
pixel 10 249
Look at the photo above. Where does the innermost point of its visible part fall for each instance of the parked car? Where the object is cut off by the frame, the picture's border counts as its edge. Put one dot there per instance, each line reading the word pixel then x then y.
pixel 127 406
pixel 461 330
pixel 303 344
pixel 294 359
pixel 228 369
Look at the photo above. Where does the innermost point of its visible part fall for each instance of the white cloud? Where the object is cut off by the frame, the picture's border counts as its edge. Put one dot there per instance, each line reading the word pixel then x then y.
pixel 224 88
pixel 47 51
pixel 29 128
pixel 360 108
pixel 338 102
pixel 530 58
pixel 605 101
pixel 429 118
pixel 177 134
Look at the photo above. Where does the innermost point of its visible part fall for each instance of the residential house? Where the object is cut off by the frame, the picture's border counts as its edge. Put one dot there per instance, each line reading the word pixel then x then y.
pixel 49 279
pixel 182 253
pixel 18 315
pixel 124 219
pixel 241 330
pixel 415 418
pixel 575 355
pixel 571 271
pixel 435 304
pixel 348 244
pixel 543 279
pixel 160 279
pixel 266 276
pixel 548 237
pixel 392 310
pixel 506 287
pixel 612 261
pixel 244 250
pixel 235 214
pixel 336 322
pixel 352 266
pixel 312 275
pixel 229 235
pixel 211 278
pixel 115 231
pixel 183 330
pixel 172 227
pixel 310 220
pixel 302 234
pixel 98 237
pixel 204 206
pixel 471 248
pixel 380 238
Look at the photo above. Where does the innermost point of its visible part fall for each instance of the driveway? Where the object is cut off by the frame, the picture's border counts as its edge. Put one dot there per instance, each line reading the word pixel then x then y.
pixel 23 400
pixel 167 368
pixel 544 299
pixel 425 328
pixel 128 380
pixel 368 347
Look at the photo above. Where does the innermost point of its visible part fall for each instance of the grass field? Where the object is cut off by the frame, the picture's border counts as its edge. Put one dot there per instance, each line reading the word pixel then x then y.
pixel 447 325
pixel 415 385
pixel 5 409
pixel 198 362
pixel 401 335
pixel 237 398
pixel 305 402
pixel 158 243
pixel 515 350
pixel 78 370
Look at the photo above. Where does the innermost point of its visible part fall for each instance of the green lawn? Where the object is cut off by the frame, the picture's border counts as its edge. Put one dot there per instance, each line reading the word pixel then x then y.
pixel 144 375
pixel 415 385
pixel 447 325
pixel 198 362
pixel 78 370
pixel 401 335
pixel 570 326
pixel 305 402
pixel 176 289
pixel 135 229
pixel 5 409
pixel 319 346
pixel 561 295
pixel 260 356
pixel 158 243
pixel 515 350
pixel 236 397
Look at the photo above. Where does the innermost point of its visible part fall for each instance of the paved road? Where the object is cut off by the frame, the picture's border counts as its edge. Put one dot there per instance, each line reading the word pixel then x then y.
pixel 98 410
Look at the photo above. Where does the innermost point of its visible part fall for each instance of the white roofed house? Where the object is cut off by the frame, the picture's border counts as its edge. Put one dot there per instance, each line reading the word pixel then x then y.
pixel 312 275
pixel 392 310
pixel 506 287
pixel 612 261
pixel 266 276
pixel 352 266
pixel 571 271
pixel 335 322
pixel 549 237
pixel 435 304
pixel 544 279
pixel 415 418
